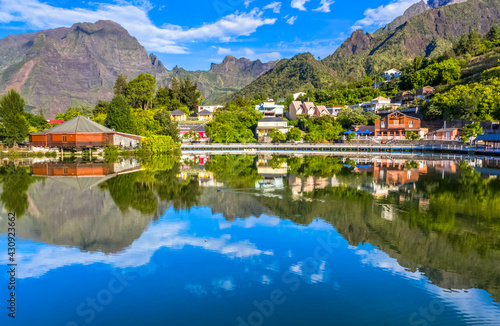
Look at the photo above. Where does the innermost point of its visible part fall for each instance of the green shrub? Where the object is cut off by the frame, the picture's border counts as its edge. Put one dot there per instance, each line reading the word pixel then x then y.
pixel 158 144
pixel 39 154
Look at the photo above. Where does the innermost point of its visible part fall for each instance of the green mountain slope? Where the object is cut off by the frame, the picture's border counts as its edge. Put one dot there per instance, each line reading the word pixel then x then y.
pixel 426 34
pixel 299 73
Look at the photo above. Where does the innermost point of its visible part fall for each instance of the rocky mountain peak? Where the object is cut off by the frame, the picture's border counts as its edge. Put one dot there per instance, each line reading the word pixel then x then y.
pixel 357 42
pixel 413 10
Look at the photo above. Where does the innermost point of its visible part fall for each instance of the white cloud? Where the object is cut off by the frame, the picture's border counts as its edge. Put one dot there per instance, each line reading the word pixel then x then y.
pixel 41 258
pixel 167 39
pixel 275 6
pixel 291 20
pixel 248 2
pixel 382 15
pixel 299 4
pixel 223 51
pixel 324 6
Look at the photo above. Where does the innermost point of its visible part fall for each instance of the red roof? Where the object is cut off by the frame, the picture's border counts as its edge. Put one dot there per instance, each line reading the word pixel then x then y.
pixel 56 121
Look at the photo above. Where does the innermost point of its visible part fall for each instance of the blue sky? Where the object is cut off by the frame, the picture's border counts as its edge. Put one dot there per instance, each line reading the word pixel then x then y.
pixel 194 33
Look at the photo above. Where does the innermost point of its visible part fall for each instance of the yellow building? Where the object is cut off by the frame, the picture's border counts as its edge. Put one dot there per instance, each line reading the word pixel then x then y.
pixel 178 115
pixel 205 115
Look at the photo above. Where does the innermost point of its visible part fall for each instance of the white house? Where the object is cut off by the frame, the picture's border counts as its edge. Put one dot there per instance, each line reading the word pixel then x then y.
pixel 296 95
pixel 268 123
pixel 334 110
pixel 210 108
pixel 270 109
pixel 391 73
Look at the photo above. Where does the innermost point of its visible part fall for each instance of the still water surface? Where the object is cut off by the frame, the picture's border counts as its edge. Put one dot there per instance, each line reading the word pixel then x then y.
pixel 254 240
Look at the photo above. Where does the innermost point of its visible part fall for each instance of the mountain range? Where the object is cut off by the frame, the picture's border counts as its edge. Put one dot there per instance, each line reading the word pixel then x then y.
pixel 425 29
pixel 57 68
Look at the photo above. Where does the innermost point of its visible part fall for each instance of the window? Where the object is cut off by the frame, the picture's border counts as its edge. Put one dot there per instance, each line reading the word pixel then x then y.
pixel 410 124
pixel 382 124
pixel 64 138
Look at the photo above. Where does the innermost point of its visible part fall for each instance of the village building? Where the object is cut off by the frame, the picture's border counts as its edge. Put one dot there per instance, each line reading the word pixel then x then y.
pixel 334 110
pixel 205 115
pixel 269 123
pixel 178 115
pixel 270 109
pixel 448 133
pixel 391 73
pixel 308 108
pixel 404 98
pixel 394 125
pixel 379 103
pixel 198 128
pixel 296 95
pixel 364 130
pixel 79 133
pixel 424 92
pixel 490 141
pixel 211 108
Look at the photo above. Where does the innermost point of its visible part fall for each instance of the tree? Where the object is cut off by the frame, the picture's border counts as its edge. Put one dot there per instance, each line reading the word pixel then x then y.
pixel 140 91
pixel 493 34
pixel 192 135
pixel 14 127
pixel 276 135
pixel 120 87
pixel 294 134
pixel 350 136
pixel 119 116
pixel 412 135
pixel 470 131
pixel 168 126
pixel 101 108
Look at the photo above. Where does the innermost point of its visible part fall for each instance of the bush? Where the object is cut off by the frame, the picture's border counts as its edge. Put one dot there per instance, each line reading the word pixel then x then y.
pixel 110 152
pixel 412 136
pixel 158 144
pixel 39 154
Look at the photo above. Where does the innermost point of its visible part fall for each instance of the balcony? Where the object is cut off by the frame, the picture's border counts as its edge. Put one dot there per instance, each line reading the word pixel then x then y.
pixel 396 126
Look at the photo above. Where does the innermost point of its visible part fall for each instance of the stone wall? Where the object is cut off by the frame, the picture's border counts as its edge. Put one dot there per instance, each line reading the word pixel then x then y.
pixel 125 142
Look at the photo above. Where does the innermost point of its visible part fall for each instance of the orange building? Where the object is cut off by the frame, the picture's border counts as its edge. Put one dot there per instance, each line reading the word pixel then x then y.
pixel 394 172
pixel 396 124
pixel 81 132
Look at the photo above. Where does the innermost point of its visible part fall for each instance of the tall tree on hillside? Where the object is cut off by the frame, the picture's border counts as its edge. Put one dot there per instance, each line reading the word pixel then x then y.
pixel 176 89
pixel 120 87
pixel 140 91
pixel 169 127
pixel 119 116
pixel 493 34
pixel 189 93
pixel 14 127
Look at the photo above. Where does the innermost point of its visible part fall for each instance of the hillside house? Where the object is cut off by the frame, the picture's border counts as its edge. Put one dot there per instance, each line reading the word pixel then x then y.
pixel 424 92
pixel 334 110
pixel 378 103
pixel 391 73
pixel 178 115
pixel 296 95
pixel 308 108
pixel 404 98
pixel 270 109
pixel 394 125
pixel 205 115
pixel 79 133
pixel 269 123
pixel 211 108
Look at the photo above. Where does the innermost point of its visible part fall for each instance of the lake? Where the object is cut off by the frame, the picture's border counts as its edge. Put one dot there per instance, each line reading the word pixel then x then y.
pixel 252 240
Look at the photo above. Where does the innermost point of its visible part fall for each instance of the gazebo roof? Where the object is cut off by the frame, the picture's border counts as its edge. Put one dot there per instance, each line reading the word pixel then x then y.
pixel 78 124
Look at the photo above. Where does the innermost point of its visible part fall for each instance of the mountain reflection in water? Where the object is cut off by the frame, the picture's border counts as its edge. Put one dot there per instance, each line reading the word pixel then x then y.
pixel 436 219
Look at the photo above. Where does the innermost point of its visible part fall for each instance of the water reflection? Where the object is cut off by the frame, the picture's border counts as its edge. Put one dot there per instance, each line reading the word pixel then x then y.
pixel 248 219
